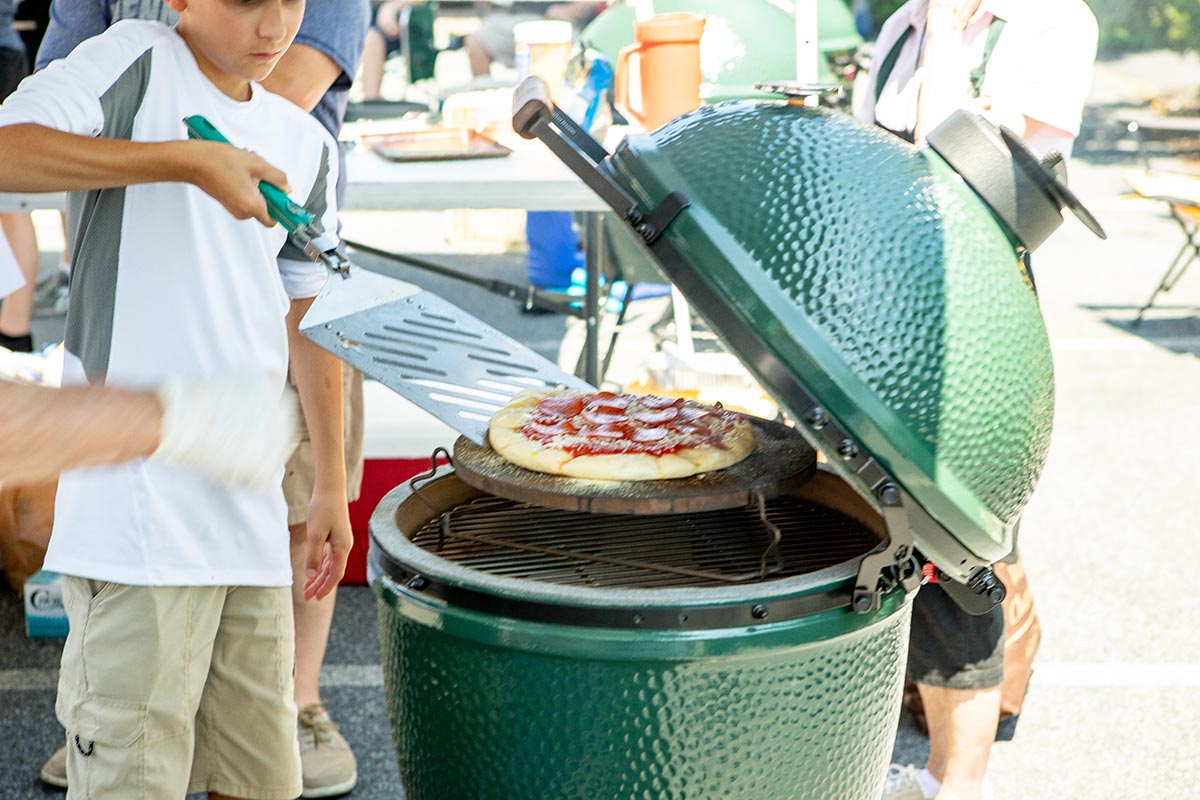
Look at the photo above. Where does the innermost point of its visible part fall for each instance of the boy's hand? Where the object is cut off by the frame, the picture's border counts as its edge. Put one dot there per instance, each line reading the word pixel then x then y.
pixel 230 176
pixel 329 541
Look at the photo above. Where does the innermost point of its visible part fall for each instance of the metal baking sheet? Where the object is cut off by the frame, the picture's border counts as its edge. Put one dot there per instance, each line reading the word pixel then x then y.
pixel 781 459
pixel 433 144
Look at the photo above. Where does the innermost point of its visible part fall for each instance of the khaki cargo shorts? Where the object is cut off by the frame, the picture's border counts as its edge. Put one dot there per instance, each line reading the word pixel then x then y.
pixel 300 475
pixel 169 690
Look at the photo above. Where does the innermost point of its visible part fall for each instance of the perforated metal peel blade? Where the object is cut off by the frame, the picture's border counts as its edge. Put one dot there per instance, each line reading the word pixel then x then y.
pixel 428 350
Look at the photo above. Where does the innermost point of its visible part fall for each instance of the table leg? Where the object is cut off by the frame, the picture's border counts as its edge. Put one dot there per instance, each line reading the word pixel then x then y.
pixel 593 224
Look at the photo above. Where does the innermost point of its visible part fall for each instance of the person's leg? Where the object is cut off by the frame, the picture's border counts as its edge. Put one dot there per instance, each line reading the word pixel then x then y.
pixel 17 308
pixel 246 720
pixel 962 727
pixel 479 57
pixel 374 57
pixel 133 667
pixel 327 760
pixel 957 661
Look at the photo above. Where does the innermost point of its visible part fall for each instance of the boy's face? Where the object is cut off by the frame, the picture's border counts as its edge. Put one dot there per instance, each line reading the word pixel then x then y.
pixel 237 41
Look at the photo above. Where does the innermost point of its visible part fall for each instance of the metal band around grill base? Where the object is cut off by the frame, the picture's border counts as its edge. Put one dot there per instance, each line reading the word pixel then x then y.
pixel 403 581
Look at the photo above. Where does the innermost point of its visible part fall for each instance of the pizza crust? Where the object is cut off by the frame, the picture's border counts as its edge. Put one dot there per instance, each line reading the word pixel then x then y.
pixel 506 438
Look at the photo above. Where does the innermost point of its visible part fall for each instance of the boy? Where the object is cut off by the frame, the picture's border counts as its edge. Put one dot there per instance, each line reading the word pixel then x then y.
pixel 315 73
pixel 177 673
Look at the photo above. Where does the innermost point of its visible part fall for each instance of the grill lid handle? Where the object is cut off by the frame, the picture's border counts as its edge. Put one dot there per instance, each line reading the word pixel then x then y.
pixel 1026 195
pixel 536 117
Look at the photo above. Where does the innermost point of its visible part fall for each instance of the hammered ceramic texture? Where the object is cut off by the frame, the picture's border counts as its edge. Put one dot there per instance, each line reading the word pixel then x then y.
pixel 810 721
pixel 895 267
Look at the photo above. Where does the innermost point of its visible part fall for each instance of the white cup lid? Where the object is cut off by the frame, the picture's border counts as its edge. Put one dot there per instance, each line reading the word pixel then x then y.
pixel 543 31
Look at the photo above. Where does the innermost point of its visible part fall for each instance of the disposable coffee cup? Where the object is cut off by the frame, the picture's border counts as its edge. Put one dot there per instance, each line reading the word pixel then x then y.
pixel 543 48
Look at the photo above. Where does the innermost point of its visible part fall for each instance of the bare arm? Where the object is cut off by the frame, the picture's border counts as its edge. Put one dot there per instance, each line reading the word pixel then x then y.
pixel 45 431
pixel 946 78
pixel 303 75
pixel 54 161
pixel 318 377
pixel 571 11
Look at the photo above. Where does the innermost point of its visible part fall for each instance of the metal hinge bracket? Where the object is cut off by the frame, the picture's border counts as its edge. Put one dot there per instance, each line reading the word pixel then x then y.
pixel 651 226
pixel 894 564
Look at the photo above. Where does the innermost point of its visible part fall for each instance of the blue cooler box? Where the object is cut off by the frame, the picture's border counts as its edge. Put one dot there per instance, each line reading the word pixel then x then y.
pixel 45 617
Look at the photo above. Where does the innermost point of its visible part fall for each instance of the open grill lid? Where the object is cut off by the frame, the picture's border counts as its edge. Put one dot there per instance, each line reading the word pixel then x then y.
pixel 868 288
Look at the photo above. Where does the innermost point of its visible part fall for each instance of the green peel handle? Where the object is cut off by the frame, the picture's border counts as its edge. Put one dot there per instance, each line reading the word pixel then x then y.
pixel 290 214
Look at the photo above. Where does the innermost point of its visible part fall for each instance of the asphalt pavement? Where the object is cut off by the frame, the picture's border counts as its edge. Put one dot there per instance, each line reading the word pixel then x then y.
pixel 1113 710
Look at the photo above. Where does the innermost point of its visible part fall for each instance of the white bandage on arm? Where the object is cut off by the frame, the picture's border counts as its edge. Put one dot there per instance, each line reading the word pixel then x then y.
pixel 236 431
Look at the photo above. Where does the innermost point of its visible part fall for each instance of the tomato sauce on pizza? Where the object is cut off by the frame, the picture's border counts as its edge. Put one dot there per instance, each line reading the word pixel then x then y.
pixel 609 436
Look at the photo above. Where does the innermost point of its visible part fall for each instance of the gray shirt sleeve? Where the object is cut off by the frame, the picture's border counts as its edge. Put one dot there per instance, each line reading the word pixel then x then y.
pixel 71 22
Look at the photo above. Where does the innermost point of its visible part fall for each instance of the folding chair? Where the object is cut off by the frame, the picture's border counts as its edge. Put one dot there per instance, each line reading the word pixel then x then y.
pixel 1181 193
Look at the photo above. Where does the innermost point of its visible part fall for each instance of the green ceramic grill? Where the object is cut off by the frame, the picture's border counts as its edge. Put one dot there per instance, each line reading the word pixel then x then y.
pixel 742 634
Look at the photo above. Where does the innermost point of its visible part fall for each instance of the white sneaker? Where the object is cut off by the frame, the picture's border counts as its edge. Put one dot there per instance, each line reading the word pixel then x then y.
pixel 51 295
pixel 901 784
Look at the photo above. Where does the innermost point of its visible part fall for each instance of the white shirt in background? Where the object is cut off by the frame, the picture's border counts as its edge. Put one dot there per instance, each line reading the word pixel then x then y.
pixel 1042 63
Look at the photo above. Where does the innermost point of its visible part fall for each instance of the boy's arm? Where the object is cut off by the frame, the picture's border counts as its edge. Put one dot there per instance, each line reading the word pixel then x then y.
pixel 318 376
pixel 54 161
pixel 303 75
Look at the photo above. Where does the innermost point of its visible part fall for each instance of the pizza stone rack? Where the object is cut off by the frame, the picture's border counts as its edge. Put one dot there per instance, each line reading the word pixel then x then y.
pixel 781 458
pixel 781 461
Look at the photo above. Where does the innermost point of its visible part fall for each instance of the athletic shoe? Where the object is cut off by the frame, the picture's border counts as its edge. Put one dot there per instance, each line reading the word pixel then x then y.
pixel 54 771
pixel 326 760
pixel 51 294
pixel 901 784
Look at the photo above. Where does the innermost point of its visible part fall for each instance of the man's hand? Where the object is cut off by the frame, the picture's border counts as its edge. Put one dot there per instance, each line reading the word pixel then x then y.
pixel 387 18
pixel 329 541
pixel 950 15
pixel 230 176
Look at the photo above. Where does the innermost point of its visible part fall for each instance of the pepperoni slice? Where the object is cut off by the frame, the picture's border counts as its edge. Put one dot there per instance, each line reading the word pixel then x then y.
pixel 608 400
pixel 561 406
pixel 656 402
pixel 547 429
pixel 691 413
pixel 604 415
pixel 612 430
pixel 659 416
pixel 650 434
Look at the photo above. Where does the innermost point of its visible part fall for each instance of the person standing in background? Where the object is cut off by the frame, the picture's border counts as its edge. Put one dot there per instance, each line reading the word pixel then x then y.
pixel 315 73
pixel 1027 66
pixel 16 227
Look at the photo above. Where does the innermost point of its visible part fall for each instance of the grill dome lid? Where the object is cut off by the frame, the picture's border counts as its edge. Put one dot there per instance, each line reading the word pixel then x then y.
pixel 831 255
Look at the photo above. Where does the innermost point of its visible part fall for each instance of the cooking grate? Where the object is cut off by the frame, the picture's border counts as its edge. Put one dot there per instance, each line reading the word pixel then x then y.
pixel 516 540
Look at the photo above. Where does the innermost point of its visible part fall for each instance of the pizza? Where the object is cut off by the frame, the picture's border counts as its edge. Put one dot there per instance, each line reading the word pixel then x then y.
pixel 620 437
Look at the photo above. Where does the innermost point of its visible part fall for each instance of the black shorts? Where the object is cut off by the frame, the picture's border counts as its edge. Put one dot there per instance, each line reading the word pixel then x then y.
pixel 14 68
pixel 951 648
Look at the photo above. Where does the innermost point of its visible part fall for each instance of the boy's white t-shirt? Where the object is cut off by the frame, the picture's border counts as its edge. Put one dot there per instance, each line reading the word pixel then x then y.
pixel 167 283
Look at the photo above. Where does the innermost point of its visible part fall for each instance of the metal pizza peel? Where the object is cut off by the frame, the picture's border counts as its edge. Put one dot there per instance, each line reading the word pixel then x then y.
pixel 426 349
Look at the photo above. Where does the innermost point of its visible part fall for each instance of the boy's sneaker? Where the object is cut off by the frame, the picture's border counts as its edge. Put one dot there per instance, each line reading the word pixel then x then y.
pixel 902 784
pixel 51 294
pixel 326 760
pixel 54 771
